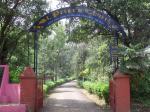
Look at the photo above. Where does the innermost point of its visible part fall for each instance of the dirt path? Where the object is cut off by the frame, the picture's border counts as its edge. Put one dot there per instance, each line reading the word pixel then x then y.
pixel 68 98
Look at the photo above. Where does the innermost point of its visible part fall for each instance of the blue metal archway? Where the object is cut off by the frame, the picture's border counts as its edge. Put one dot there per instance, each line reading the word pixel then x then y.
pixel 101 17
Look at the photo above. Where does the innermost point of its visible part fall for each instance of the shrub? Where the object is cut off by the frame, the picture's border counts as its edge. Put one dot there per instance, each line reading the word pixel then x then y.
pixel 101 89
pixel 70 78
pixel 15 73
pixel 80 83
pixel 105 94
pixel 60 81
pixel 51 84
pixel 88 86
pixel 98 89
pixel 45 88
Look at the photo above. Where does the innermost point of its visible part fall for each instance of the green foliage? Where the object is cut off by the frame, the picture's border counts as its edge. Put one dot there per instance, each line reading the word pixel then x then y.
pixel 101 89
pixel 60 81
pixel 105 94
pixel 88 86
pixel 84 73
pixel 70 78
pixel 49 84
pixel 80 83
pixel 140 87
pixel 16 18
pixel 15 73
pixel 83 49
pixel 45 89
pixel 136 63
pixel 55 54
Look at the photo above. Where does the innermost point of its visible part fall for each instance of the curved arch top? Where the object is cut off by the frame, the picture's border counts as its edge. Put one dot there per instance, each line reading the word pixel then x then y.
pixel 100 17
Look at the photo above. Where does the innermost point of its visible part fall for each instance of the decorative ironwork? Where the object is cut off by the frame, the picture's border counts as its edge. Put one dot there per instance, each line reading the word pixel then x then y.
pixel 114 53
pixel 35 52
pixel 79 11
pixel 101 17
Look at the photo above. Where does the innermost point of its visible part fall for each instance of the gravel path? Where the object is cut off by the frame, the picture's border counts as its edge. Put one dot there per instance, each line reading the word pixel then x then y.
pixel 68 98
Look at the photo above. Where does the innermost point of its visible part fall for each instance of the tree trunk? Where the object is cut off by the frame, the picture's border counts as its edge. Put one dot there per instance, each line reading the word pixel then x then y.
pixel 3 59
pixel 4 54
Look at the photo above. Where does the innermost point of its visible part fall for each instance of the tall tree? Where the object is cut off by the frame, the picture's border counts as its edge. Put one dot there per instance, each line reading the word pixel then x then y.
pixel 15 18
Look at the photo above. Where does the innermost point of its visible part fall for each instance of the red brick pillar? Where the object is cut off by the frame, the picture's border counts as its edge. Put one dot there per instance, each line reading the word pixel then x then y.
pixel 112 95
pixel 122 92
pixel 39 100
pixel 28 88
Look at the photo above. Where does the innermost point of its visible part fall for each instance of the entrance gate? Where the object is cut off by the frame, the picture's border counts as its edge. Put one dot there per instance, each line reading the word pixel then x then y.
pixel 101 17
pixel 104 19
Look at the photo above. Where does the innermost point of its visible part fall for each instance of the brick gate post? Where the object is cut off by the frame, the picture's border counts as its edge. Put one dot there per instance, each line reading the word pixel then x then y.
pixel 112 95
pixel 122 92
pixel 28 88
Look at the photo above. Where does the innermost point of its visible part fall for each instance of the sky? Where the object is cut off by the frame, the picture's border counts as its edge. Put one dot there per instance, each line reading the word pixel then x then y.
pixel 53 4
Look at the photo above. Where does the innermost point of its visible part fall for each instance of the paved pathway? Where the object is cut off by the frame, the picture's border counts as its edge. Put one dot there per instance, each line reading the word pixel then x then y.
pixel 68 98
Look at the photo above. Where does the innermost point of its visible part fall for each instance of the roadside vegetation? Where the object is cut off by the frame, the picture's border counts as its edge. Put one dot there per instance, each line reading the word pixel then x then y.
pixel 79 47
pixel 100 89
pixel 49 84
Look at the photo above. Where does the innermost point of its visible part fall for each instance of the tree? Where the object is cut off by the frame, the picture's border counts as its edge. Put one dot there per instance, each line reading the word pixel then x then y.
pixel 15 19
pixel 133 16
pixel 53 49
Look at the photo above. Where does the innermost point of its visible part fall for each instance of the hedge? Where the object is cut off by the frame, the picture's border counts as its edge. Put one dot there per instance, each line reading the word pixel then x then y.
pixel 101 89
pixel 51 84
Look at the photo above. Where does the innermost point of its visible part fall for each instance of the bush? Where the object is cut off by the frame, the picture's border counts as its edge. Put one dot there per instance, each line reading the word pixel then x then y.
pixel 51 84
pixel 60 81
pixel 48 85
pixel 70 78
pixel 88 86
pixel 140 90
pixel 45 88
pixel 105 94
pixel 15 73
pixel 99 88
pixel 80 83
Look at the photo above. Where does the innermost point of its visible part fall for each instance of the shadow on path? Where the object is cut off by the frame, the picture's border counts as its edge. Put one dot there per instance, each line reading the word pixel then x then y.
pixel 68 98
